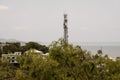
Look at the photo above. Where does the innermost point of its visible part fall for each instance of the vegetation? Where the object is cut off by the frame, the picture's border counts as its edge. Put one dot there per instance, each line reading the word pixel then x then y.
pixel 16 47
pixel 64 62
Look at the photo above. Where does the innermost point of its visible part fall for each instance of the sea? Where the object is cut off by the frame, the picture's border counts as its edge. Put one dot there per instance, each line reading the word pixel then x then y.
pixel 108 48
pixel 112 49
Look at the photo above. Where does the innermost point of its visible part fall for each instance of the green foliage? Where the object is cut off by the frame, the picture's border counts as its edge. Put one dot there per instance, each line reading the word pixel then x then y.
pixel 64 62
pixel 37 46
pixel 16 47
pixel 37 66
pixel 7 70
pixel 11 47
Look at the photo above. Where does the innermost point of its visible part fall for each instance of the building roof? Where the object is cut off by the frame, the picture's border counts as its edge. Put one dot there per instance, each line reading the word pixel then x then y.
pixel 34 51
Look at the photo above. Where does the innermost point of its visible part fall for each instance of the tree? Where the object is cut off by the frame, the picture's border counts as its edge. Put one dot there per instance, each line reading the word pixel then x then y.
pixel 64 62
pixel 11 47
pixel 74 63
pixel 37 67
pixel 37 46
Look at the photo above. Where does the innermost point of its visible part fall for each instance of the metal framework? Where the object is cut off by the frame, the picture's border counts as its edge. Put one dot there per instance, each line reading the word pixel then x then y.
pixel 65 24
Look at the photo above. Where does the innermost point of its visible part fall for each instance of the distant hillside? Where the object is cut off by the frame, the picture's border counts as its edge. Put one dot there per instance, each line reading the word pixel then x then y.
pixel 11 41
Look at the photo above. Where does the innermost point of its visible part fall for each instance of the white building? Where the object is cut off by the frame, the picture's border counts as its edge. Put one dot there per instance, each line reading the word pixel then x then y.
pixel 34 51
pixel 11 57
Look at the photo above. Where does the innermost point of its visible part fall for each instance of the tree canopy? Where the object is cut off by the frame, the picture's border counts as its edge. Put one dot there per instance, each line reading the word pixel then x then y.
pixel 16 47
pixel 64 62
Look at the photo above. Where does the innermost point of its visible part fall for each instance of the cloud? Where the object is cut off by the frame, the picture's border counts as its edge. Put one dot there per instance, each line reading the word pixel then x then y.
pixel 3 7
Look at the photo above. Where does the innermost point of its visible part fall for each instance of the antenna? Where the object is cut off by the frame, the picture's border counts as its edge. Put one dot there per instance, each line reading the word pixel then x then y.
pixel 65 24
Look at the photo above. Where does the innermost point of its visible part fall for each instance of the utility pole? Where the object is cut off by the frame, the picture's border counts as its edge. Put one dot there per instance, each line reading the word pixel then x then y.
pixel 65 24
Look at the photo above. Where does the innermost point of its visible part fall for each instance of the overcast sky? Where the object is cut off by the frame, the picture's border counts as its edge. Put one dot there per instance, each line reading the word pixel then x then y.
pixel 42 20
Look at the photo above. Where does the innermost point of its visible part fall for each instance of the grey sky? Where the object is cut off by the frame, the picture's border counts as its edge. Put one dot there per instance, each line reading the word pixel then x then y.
pixel 42 20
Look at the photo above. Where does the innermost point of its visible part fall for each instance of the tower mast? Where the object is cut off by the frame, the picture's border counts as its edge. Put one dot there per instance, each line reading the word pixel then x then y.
pixel 65 24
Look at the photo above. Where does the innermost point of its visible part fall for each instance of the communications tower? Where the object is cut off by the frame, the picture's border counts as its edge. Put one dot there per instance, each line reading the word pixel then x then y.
pixel 65 24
